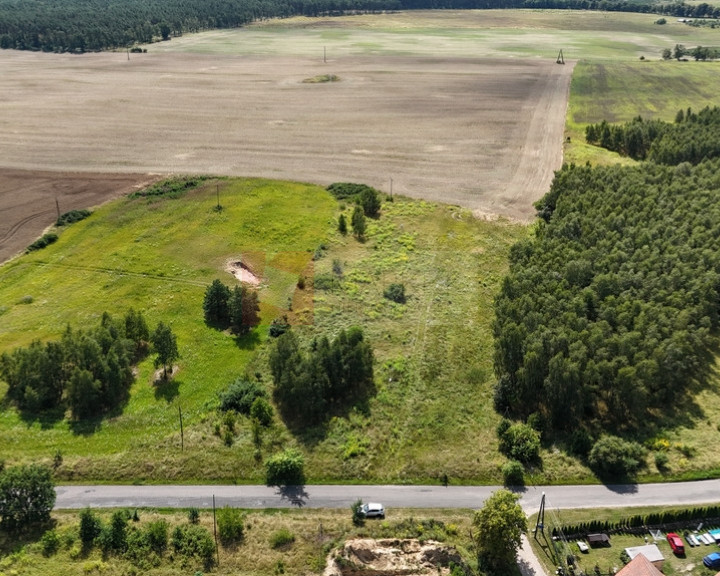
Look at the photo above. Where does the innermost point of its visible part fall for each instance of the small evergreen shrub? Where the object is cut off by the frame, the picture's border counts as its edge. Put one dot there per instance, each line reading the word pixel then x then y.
pixel 262 412
pixel 513 473
pixel 279 326
pixel 90 527
pixel 240 395
pixel 230 525
pixel 281 538
pixel 193 515
pixel 43 241
pixel 358 518
pixel 50 542
pixel 396 293
pixel 520 442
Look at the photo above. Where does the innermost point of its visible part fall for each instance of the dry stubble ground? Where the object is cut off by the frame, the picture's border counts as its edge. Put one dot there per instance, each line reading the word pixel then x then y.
pixel 482 133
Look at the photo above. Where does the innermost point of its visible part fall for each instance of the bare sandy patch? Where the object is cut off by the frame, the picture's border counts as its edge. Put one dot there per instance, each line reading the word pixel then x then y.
pixel 242 272
pixel 406 557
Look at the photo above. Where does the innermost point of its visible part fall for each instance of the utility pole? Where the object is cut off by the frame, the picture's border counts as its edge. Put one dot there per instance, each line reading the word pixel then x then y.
pixel 217 189
pixel 391 188
pixel 217 549
pixel 57 207
pixel 540 524
pixel 182 437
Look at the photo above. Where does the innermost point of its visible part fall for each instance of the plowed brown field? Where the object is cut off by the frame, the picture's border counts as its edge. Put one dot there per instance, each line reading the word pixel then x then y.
pixel 483 133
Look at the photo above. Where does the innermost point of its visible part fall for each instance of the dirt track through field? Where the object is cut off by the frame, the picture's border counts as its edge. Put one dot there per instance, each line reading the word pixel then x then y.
pixel 482 133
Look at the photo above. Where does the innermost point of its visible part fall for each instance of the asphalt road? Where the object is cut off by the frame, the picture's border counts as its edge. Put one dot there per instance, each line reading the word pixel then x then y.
pixel 557 497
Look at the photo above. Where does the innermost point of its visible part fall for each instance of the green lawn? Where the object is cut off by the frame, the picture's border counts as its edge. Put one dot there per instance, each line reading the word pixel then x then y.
pixel 608 558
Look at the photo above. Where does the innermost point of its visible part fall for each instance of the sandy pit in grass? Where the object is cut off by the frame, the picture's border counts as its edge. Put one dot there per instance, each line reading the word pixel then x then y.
pixel 242 272
pixel 482 133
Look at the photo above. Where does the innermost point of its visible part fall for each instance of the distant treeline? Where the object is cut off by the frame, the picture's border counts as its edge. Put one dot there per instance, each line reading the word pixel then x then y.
pixel 91 25
pixel 693 137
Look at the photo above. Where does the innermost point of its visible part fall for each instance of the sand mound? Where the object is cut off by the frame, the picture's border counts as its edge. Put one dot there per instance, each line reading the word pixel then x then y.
pixel 391 557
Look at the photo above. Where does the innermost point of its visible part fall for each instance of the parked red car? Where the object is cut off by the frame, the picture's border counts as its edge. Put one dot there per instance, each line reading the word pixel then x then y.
pixel 676 543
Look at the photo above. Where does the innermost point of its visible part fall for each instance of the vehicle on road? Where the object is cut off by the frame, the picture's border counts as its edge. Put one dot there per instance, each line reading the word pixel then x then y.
pixel 373 510
pixel 676 543
pixel 712 560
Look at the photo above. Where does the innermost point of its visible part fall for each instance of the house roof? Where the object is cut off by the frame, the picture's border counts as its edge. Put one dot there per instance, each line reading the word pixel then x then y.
pixel 639 566
pixel 650 551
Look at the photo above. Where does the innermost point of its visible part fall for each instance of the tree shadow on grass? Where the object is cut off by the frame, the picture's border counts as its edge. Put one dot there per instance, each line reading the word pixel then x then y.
pixel 16 541
pixel 47 418
pixel 167 390
pixel 247 341
pixel 90 425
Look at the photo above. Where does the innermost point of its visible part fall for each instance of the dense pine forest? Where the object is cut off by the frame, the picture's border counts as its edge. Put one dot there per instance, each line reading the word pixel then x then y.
pixel 608 319
pixel 91 25
pixel 693 137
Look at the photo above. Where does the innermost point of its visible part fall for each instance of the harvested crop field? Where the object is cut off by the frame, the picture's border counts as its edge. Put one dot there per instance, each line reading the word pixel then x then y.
pixel 30 200
pixel 483 133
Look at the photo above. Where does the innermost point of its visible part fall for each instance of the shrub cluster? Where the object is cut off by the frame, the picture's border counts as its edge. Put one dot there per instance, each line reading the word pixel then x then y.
pixel 613 457
pixel 72 217
pixel 170 188
pixel 366 197
pixel 43 241
pixel 240 396
pixel 518 441
pixel 145 545
pixel 285 469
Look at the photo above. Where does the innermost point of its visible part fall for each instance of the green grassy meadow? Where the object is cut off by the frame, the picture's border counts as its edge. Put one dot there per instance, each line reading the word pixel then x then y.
pixel 158 256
